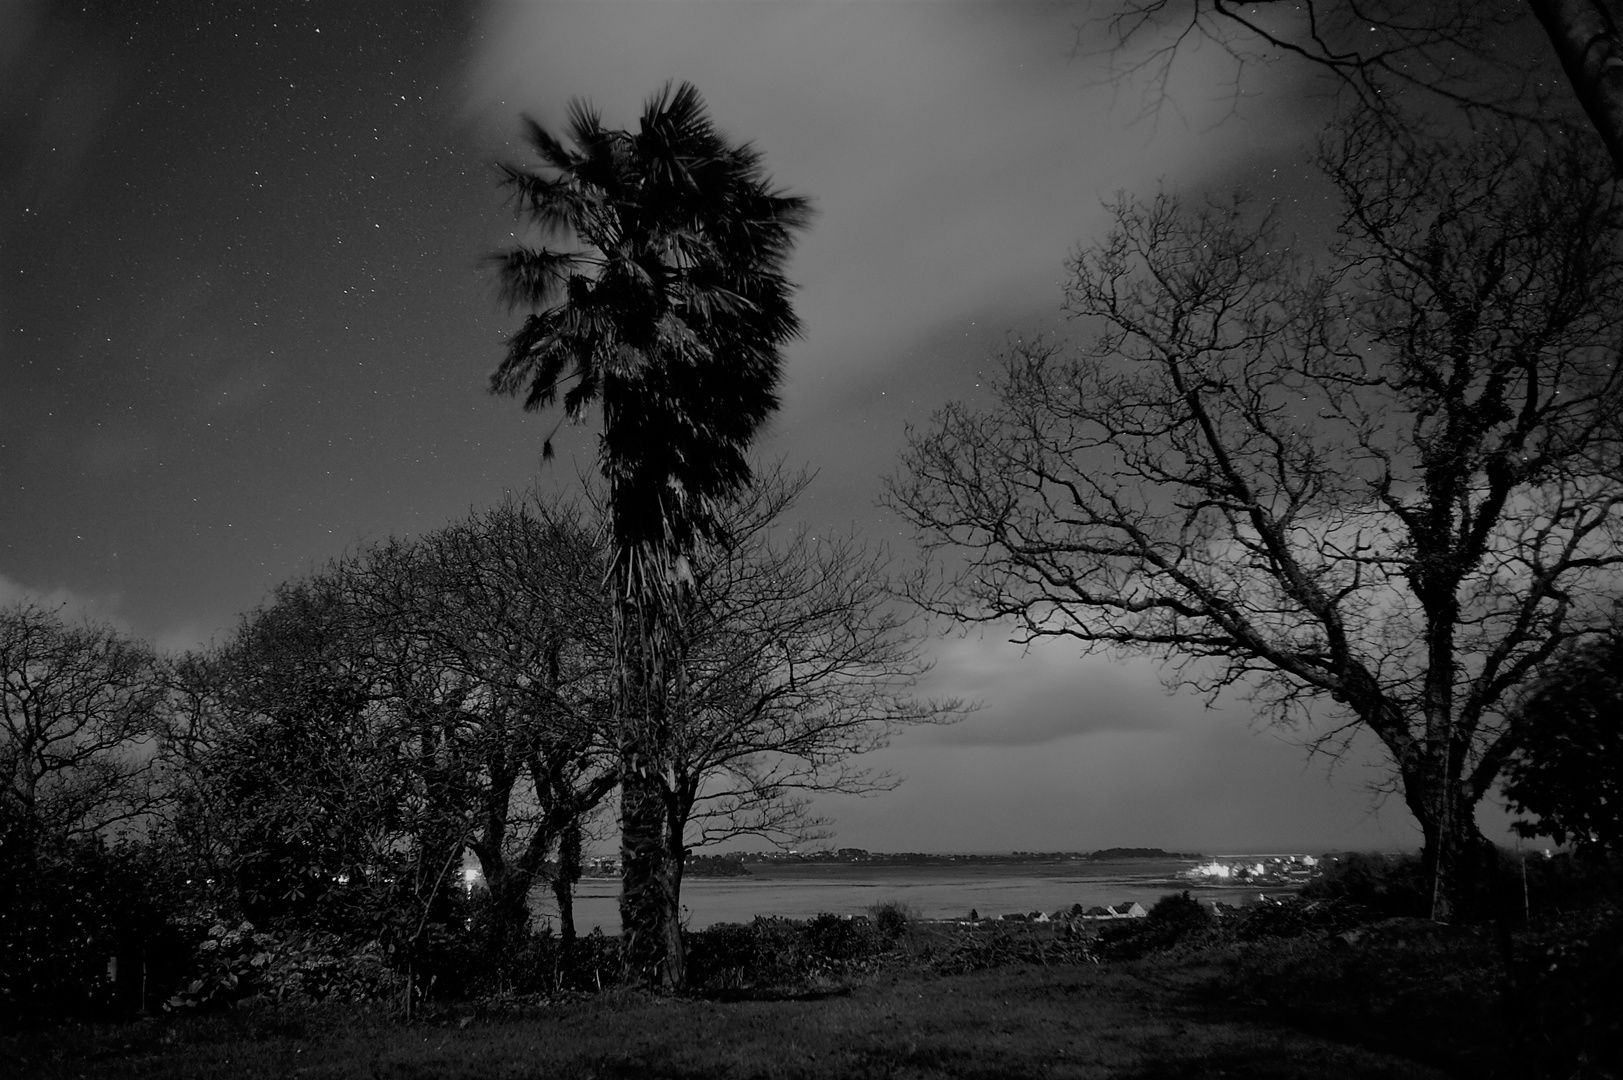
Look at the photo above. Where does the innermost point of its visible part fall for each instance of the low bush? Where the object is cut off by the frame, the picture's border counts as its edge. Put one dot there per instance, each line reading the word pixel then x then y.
pixel 1444 993
pixel 87 928
pixel 1175 920
pixel 1561 881
pixel 229 958
pixel 893 918
pixel 1388 886
pixel 233 962
pixel 1295 917
pixel 992 945
pixel 1507 883
pixel 1180 911
pixel 1570 991
pixel 786 952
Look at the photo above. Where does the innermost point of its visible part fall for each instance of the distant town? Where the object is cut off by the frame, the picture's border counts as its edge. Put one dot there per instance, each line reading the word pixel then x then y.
pixel 737 864
pixel 1270 871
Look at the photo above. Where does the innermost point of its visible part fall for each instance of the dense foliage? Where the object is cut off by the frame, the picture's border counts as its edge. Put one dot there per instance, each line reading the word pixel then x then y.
pixel 1385 885
pixel 88 926
pixel 1566 773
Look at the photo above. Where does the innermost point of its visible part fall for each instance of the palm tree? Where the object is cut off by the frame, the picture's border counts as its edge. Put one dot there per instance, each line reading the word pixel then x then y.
pixel 667 308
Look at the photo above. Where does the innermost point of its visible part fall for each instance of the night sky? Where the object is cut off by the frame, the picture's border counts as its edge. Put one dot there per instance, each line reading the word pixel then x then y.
pixel 246 325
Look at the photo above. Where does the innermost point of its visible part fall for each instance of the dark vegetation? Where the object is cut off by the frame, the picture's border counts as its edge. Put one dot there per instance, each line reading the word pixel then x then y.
pixel 1336 982
pixel 312 871
pixel 1565 775
pixel 289 815
pixel 273 830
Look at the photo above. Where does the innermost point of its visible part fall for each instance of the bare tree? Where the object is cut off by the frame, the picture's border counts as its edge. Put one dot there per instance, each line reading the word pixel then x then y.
pixel 1376 495
pixel 790 660
pixel 289 771
pixel 512 600
pixel 414 699
pixel 1471 54
pixel 80 714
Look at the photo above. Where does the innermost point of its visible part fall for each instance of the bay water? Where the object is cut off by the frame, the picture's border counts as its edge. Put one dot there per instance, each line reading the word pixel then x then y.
pixel 800 890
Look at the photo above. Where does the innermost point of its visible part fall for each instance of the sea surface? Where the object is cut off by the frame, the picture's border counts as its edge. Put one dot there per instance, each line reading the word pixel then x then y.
pixel 802 890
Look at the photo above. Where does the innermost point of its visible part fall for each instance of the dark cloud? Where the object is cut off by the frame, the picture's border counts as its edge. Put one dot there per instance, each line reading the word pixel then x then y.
pixel 1045 693
pixel 245 324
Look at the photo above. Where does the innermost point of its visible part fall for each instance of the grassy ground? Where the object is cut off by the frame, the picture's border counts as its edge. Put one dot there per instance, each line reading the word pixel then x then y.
pixel 1398 998
pixel 1119 1021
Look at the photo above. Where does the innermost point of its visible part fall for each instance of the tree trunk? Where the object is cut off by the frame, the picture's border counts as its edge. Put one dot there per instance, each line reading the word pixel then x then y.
pixel 563 882
pixel 648 913
pixel 509 906
pixel 1451 861
pixel 1585 34
pixel 650 919
pixel 675 862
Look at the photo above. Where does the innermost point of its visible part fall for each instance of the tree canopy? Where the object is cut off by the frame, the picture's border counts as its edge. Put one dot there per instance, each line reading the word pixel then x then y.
pixel 668 306
pixel 1474 56
pixel 1377 492
pixel 1566 773
pixel 81 712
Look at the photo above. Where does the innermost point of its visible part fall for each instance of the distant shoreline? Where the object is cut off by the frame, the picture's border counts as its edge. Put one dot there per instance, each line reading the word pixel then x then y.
pixel 937 889
pixel 1115 854
pixel 737 864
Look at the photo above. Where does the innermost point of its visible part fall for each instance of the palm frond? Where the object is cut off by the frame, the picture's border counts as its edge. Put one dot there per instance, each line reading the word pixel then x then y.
pixel 533 276
pixel 674 319
pixel 585 124
pixel 547 147
pixel 556 205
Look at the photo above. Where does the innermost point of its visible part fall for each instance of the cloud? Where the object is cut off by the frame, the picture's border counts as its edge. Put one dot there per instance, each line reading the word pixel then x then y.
pixel 955 152
pixel 1045 693
pixel 105 608
pixel 1211 787
pixel 73 604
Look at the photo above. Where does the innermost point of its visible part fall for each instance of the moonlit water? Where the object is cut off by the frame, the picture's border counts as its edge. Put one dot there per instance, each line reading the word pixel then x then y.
pixel 935 892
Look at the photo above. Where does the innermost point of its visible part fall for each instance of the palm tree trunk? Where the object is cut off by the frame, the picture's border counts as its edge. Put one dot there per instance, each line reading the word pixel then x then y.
pixel 650 927
pixel 650 922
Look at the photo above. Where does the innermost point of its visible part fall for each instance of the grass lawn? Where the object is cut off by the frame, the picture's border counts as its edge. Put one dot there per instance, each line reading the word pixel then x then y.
pixel 1116 1020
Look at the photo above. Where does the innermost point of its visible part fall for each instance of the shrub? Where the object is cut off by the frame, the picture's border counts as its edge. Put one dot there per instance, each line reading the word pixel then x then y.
pixel 893 917
pixel 1391 886
pixel 1559 882
pixel 232 961
pixel 1573 993
pixel 1387 885
pixel 784 952
pixel 1000 944
pixel 1182 911
pixel 1174 920
pixel 79 922
pixel 838 945
pixel 1295 917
